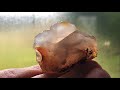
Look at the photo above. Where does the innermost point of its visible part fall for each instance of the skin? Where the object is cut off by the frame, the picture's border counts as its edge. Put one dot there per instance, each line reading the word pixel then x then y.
pixel 89 69
pixel 27 72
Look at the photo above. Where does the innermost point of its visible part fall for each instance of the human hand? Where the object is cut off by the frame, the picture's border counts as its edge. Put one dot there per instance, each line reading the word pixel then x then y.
pixel 89 69
pixel 27 72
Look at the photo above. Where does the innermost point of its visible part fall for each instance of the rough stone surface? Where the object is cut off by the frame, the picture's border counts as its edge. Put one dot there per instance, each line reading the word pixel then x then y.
pixel 62 46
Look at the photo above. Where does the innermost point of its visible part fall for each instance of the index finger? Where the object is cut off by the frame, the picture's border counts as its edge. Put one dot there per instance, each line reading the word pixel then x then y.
pixel 26 72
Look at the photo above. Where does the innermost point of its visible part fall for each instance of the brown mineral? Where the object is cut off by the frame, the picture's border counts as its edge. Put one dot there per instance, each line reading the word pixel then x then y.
pixel 62 46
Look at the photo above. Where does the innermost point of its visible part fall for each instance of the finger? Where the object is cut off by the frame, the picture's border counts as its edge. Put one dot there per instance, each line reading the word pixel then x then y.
pixel 38 76
pixel 53 75
pixel 26 72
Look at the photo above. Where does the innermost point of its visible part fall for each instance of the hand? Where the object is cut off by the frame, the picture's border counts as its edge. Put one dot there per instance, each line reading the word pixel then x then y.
pixel 90 69
pixel 27 72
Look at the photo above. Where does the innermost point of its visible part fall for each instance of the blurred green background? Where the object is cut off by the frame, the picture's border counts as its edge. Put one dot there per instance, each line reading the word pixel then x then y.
pixel 18 29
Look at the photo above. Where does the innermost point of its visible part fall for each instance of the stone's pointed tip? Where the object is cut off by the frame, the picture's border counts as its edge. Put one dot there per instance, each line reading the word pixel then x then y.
pixel 63 25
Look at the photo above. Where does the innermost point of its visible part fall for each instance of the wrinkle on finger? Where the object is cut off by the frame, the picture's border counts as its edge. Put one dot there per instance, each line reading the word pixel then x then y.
pixel 26 72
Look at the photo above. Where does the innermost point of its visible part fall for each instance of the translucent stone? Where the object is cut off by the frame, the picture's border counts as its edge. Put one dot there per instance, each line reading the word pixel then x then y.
pixel 63 46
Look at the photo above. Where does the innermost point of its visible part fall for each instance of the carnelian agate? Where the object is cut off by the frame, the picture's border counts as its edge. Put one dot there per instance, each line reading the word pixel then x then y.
pixel 61 47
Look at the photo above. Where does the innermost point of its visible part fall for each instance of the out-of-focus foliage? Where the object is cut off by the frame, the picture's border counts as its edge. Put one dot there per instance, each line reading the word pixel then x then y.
pixel 109 26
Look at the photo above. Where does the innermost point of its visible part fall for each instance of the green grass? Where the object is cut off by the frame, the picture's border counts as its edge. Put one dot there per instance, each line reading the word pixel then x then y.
pixel 16 49
pixel 17 57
